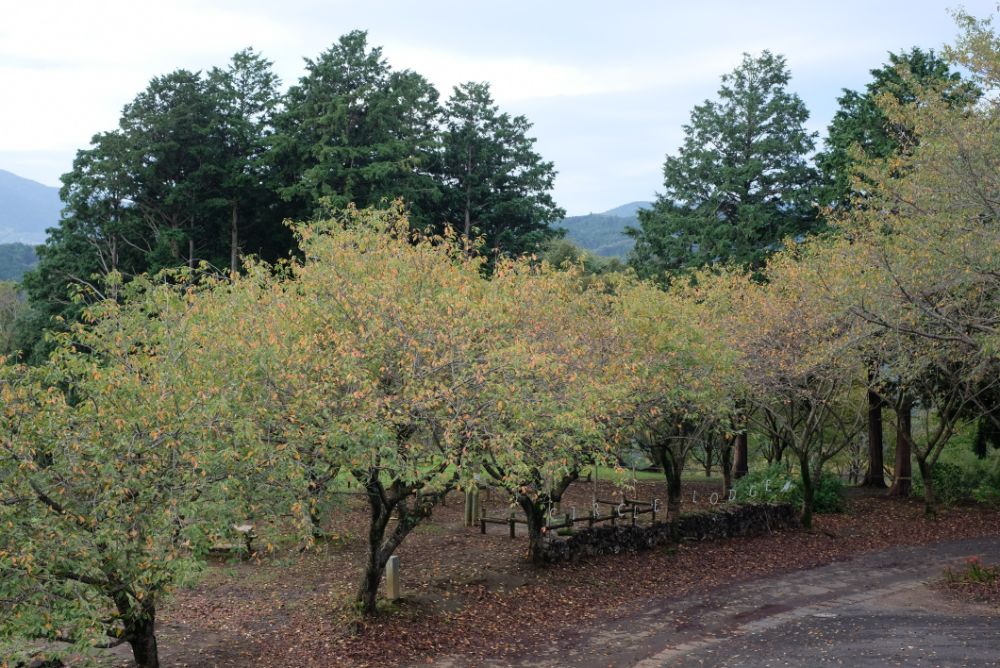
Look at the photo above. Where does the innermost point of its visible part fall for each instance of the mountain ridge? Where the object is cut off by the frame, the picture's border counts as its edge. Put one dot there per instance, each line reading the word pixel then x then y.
pixel 27 209
pixel 604 233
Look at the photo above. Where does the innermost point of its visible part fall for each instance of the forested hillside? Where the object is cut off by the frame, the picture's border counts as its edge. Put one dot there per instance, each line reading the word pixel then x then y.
pixel 604 233
pixel 15 260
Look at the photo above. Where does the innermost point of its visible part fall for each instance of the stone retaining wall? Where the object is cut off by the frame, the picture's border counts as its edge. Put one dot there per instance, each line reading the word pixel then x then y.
pixel 727 522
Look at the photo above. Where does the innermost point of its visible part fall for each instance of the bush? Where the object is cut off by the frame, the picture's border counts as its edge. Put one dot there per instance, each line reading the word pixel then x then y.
pixel 963 478
pixel 776 485
pixel 986 487
pixel 770 485
pixel 829 495
pixel 952 483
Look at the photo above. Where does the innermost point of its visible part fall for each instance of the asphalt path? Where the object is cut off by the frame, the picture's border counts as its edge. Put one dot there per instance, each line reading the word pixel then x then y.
pixel 874 610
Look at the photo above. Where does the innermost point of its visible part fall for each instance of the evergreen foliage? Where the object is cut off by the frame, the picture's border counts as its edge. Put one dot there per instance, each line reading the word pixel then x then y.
pixel 741 181
pixel 206 167
pixel 860 129
pixel 495 184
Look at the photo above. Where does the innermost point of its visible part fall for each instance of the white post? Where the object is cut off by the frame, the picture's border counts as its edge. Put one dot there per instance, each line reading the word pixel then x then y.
pixel 392 578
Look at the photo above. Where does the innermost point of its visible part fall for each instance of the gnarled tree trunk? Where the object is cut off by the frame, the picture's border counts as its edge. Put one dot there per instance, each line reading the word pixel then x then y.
pixel 382 543
pixel 536 507
pixel 139 619
pixel 534 513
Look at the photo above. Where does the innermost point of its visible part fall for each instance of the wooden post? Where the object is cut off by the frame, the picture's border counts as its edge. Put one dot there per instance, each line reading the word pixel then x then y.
pixel 392 578
pixel 482 526
pixel 475 507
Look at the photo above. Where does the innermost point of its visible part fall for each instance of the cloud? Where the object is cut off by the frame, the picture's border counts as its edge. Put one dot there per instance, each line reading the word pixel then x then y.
pixel 113 33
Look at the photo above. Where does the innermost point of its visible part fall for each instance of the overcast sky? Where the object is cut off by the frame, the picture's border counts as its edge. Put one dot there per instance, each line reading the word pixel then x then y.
pixel 607 87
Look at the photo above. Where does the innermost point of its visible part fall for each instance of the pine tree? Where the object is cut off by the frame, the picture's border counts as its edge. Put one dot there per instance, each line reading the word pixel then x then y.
pixel 247 98
pixel 740 182
pixel 355 131
pixel 495 183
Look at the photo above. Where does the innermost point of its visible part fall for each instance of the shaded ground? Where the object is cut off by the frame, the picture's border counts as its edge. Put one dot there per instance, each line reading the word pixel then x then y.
pixel 472 597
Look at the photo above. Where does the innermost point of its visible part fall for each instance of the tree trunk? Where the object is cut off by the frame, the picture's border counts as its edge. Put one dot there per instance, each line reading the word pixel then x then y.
pixel 142 640
pixel 874 477
pixel 535 509
pixel 139 620
pixel 779 451
pixel 808 493
pixel 367 598
pixel 726 464
pixel 534 512
pixel 902 482
pixel 709 451
pixel 930 500
pixel 191 253
pixel 234 242
pixel 741 464
pixel 672 472
pixel 382 501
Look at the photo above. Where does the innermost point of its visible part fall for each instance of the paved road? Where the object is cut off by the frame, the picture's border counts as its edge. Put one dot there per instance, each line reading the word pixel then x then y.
pixel 872 611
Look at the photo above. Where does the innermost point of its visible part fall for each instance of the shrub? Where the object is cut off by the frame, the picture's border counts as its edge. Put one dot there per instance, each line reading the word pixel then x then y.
pixel 952 483
pixel 770 485
pixel 776 485
pixel 987 489
pixel 964 478
pixel 829 495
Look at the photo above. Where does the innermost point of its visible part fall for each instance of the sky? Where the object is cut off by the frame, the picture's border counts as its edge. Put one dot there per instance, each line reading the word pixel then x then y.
pixel 608 86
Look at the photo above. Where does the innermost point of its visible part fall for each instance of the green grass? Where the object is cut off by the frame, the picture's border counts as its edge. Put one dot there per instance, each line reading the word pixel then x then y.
pixel 608 473
pixel 699 476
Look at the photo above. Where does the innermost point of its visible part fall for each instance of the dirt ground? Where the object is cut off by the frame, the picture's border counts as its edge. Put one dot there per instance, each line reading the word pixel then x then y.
pixel 472 595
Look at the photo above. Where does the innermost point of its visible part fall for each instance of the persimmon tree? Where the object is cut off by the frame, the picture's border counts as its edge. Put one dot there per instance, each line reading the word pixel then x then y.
pixel 553 404
pixel 800 360
pixel 401 321
pixel 675 371
pixel 121 461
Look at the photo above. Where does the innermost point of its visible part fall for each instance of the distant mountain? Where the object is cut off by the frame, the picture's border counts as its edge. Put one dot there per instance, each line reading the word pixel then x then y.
pixel 630 210
pixel 27 208
pixel 604 233
pixel 15 259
